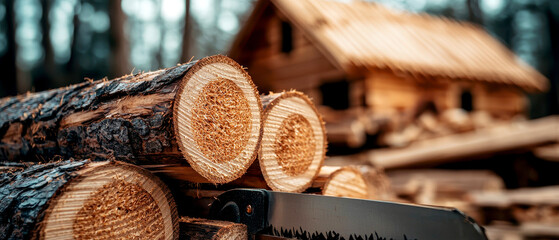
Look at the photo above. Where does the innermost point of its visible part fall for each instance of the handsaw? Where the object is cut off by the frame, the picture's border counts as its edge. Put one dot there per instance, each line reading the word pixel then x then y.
pixel 269 215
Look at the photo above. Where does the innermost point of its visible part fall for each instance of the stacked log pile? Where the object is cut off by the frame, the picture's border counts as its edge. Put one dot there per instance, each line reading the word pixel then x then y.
pixel 526 213
pixel 429 125
pixel 200 121
pixel 83 161
pixel 200 125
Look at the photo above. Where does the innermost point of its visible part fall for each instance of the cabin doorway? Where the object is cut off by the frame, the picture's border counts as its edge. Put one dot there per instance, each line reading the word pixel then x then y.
pixel 335 95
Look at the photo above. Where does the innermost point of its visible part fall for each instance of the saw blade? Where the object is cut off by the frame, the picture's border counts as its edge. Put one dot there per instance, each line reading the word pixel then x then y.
pixel 307 216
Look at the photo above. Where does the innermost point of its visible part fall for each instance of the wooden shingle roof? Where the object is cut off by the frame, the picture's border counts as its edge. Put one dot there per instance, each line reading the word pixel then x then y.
pixel 363 35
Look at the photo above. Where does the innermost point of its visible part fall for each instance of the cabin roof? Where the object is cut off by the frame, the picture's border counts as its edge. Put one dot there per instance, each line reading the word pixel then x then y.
pixel 359 36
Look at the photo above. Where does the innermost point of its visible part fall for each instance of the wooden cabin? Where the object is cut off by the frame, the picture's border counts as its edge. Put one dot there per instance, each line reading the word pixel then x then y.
pixel 361 55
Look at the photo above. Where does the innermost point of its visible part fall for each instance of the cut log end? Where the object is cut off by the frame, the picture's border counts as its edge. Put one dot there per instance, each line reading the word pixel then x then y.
pixel 293 142
pixel 346 182
pixel 217 119
pixel 108 200
pixel 198 228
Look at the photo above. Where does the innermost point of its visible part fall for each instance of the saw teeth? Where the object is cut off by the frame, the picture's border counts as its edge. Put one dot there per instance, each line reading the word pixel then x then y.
pixel 330 235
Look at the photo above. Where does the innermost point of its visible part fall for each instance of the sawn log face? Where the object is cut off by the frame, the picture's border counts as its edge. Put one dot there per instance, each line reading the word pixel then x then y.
pixel 24 195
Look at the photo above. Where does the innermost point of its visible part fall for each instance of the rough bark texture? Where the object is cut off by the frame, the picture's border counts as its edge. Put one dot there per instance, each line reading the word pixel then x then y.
pixel 25 192
pixel 125 119
pixel 83 199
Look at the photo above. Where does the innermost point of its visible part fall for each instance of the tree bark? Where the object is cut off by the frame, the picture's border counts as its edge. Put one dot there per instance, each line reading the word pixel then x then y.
pixel 37 198
pixel 134 119
pixel 101 119
pixel 199 228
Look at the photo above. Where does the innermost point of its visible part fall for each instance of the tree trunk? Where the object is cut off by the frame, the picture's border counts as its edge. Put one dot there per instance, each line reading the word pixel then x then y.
pixel 293 142
pixel 8 85
pixel 199 228
pixel 207 112
pixel 186 34
pixel 42 74
pixel 119 44
pixel 83 200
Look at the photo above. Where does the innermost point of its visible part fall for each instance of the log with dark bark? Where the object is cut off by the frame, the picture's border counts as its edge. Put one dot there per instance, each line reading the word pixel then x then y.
pixel 200 120
pixel 199 228
pixel 83 200
pixel 293 141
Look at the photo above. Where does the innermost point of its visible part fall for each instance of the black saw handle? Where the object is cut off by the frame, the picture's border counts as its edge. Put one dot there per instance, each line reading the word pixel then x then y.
pixel 246 206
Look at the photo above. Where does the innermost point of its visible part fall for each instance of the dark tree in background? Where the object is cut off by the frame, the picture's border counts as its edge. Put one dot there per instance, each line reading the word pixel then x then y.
pixel 8 84
pixel 52 43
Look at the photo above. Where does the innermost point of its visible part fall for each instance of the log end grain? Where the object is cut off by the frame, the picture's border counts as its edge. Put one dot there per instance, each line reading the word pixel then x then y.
pixel 199 228
pixel 217 119
pixel 346 182
pixel 293 142
pixel 111 200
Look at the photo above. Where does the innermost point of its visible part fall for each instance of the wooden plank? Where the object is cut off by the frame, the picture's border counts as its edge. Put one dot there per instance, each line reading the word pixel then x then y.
pixel 501 99
pixel 388 90
pixel 525 196
pixel 306 81
pixel 548 152
pixel 449 183
pixel 298 57
pixel 350 132
pixel 503 232
pixel 292 70
pixel 540 230
pixel 484 141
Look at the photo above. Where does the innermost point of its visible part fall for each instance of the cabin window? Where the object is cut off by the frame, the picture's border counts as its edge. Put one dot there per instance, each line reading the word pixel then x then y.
pixel 335 94
pixel 466 101
pixel 286 37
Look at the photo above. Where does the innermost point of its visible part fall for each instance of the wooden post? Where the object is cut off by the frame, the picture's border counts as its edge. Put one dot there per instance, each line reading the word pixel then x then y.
pixel 83 200
pixel 293 141
pixel 199 121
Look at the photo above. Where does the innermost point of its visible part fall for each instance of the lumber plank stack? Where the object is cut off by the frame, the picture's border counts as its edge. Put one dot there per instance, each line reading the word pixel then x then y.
pixel 501 138
pixel 443 184
pixel 525 213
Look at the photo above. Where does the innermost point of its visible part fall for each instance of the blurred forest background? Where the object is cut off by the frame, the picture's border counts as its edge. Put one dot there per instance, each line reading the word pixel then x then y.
pixel 52 43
